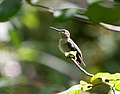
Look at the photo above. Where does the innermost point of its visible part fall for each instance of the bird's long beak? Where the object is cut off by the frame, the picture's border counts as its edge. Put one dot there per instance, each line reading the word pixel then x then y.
pixel 56 29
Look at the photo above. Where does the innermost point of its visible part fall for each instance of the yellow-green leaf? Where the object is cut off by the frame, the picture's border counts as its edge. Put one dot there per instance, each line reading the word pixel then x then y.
pixel 85 86
pixel 117 85
pixel 72 90
pixel 116 76
pixel 75 92
pixel 102 76
pixel 107 78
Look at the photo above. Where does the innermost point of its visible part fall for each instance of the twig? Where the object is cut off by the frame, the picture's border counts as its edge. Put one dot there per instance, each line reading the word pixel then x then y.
pixel 83 70
pixel 41 6
pixel 113 90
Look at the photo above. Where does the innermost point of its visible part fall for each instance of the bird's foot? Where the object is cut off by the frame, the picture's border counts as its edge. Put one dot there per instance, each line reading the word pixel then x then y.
pixel 71 54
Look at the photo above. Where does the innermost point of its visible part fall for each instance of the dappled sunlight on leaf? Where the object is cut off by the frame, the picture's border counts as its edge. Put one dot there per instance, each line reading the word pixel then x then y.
pixel 73 90
pixel 78 89
pixel 85 86
pixel 113 80
pixel 117 85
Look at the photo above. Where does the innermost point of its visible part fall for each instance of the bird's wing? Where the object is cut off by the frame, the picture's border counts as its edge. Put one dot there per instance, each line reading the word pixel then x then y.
pixel 76 48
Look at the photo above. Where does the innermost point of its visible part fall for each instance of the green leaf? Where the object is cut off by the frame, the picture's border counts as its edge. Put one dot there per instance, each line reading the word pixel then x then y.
pixel 85 86
pixel 113 80
pixel 73 90
pixel 117 85
pixel 8 9
pixel 102 76
pixel 117 1
pixel 98 13
pixel 116 76
pixel 106 76
pixel 76 89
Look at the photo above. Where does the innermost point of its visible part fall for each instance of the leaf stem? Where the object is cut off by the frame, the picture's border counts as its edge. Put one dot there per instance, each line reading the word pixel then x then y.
pixel 113 90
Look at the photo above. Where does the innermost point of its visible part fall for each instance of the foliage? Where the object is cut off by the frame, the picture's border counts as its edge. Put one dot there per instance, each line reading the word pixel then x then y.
pixel 106 14
pixel 9 9
pixel 113 80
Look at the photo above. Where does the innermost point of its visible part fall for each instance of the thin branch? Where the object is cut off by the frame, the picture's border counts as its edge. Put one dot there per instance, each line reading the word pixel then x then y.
pixel 83 70
pixel 51 10
pixel 110 27
pixel 113 90
pixel 82 18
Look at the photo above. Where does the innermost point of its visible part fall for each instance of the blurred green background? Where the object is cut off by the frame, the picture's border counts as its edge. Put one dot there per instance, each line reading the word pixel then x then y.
pixel 30 60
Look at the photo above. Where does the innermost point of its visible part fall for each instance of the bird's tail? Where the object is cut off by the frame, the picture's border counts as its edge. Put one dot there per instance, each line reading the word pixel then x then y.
pixel 82 62
pixel 82 69
pixel 79 59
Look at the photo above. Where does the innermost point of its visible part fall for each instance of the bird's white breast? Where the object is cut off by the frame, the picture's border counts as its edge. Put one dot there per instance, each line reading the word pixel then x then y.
pixel 63 45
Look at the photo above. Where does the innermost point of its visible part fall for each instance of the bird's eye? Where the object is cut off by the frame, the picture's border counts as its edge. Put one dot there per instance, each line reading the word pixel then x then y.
pixel 63 31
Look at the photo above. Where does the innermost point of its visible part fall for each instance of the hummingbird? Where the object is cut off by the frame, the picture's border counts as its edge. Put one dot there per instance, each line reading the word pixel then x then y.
pixel 68 46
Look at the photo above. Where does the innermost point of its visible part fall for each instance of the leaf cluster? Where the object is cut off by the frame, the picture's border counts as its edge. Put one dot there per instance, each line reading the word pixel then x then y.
pixel 112 80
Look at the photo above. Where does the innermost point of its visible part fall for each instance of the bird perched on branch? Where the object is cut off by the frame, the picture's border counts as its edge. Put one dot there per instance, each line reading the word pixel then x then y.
pixel 68 46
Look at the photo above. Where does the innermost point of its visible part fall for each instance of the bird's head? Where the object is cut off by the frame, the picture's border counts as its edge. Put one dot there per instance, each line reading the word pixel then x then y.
pixel 63 32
